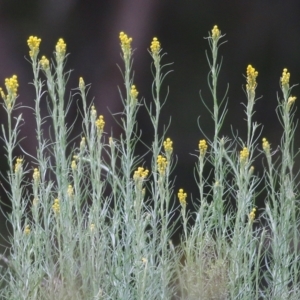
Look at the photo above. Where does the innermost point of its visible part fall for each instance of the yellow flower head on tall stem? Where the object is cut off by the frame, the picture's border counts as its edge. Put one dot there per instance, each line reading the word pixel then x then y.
pixel 133 94
pixel 56 206
pixel 70 191
pixel 34 45
pixel 60 49
pixel 251 79
pixel 18 165
pixel 161 164
pixel 100 124
pixel 44 63
pixel 11 85
pixel 215 33
pixel 252 215
pixel 285 79
pixel 182 197
pixel 140 174
pixel 73 165
pixel 36 175
pixel 81 83
pixel 27 230
pixel 125 44
pixel 168 146
pixel 266 145
pixel 291 101
pixel 155 46
pixel 244 155
pixel 93 112
pixel 202 147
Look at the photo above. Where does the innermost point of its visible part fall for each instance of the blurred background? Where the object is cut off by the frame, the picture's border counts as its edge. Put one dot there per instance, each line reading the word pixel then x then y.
pixel 265 34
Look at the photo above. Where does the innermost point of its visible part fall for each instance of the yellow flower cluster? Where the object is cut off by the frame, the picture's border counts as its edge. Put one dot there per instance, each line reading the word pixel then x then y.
pixel 34 43
pixel 27 229
pixel 125 43
pixel 182 197
pixel 140 173
pixel 265 145
pixel 161 164
pixel 12 89
pixel 252 215
pixel 18 165
pixel 168 146
pixel 155 46
pixel 251 79
pixel 70 191
pixel 36 175
pixel 73 165
pixel 291 100
pixel 81 83
pixel 285 79
pixel 100 124
pixel 82 143
pixel 244 154
pixel 12 85
pixel 133 93
pixel 215 33
pixel 56 206
pixel 44 62
pixel 202 147
pixel 61 48
pixel 93 112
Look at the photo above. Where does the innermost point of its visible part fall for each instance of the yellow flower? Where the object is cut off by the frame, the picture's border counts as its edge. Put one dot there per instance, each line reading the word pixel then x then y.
pixel 44 62
pixel 18 165
pixel 291 100
pixel 140 173
pixel 285 79
pixel 155 46
pixel 12 90
pixel 100 124
pixel 93 113
pixel 82 143
pixel 265 145
pixel 36 175
pixel 81 83
pixel 251 79
pixel 168 146
pixel 2 94
pixel 12 85
pixel 133 95
pixel 215 33
pixel 60 48
pixel 34 43
pixel 202 147
pixel 125 44
pixel 252 215
pixel 133 92
pixel 70 191
pixel 27 229
pixel 244 155
pixel 73 165
pixel 182 197
pixel 56 206
pixel 161 164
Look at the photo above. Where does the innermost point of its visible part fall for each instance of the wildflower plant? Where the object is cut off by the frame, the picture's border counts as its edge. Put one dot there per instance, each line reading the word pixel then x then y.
pixel 96 221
